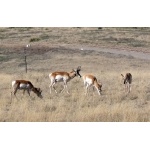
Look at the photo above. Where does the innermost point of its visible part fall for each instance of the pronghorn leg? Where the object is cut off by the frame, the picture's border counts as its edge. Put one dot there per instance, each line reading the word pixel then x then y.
pixel 23 92
pixel 50 90
pixel 65 86
pixel 129 87
pixel 52 85
pixel 28 92
pixel 11 96
pixel 93 90
pixel 125 87
pixel 14 93
pixel 98 91
pixel 86 89
pixel 15 89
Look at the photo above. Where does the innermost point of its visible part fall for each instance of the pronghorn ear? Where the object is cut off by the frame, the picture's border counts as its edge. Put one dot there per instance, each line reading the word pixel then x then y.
pixel 122 76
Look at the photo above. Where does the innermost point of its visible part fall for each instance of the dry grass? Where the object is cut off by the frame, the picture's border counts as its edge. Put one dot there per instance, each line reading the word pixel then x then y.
pixel 43 58
pixel 135 38
pixel 113 105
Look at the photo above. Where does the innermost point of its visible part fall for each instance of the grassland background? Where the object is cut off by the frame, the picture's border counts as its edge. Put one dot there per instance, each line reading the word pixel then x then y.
pixel 57 49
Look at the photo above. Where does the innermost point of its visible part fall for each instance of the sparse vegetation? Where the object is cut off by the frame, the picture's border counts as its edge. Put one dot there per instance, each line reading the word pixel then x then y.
pixel 59 50
pixel 4 58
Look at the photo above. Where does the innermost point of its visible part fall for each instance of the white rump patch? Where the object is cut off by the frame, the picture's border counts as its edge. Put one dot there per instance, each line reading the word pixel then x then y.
pixel 89 81
pixel 13 83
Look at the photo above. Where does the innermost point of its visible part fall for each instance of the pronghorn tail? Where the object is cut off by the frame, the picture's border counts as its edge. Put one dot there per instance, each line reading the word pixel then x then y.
pixel 50 75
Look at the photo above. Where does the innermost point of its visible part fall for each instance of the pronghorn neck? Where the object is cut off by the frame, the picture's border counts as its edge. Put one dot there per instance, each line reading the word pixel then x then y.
pixel 127 78
pixel 95 83
pixel 37 91
pixel 34 90
pixel 72 75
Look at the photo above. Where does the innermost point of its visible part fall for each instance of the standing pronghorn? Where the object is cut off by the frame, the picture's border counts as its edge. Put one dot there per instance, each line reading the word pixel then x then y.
pixel 127 81
pixel 91 80
pixel 25 85
pixel 63 77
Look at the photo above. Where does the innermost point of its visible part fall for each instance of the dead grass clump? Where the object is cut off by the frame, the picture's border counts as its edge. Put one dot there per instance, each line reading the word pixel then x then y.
pixel 34 39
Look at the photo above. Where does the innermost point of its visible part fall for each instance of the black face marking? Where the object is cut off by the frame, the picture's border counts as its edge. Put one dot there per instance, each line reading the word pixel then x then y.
pixel 79 73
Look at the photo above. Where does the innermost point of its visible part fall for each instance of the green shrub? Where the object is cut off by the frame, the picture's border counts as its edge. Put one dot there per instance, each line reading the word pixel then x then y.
pixel 34 39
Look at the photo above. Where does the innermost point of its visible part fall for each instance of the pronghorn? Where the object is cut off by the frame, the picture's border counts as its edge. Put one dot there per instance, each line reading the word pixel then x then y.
pixel 91 80
pixel 63 77
pixel 25 85
pixel 127 81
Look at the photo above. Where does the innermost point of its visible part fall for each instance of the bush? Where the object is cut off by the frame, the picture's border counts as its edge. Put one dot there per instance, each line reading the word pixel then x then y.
pixel 34 39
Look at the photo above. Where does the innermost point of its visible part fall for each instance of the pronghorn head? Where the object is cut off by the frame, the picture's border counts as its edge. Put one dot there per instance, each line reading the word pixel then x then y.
pixel 100 87
pixel 38 92
pixel 76 71
pixel 127 78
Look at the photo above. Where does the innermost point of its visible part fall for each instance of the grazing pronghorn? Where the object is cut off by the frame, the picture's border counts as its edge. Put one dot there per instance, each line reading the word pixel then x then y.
pixel 92 80
pixel 127 81
pixel 25 86
pixel 63 77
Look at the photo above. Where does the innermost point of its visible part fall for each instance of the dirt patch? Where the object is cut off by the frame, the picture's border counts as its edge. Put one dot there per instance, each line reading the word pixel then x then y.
pixel 13 51
pixel 122 52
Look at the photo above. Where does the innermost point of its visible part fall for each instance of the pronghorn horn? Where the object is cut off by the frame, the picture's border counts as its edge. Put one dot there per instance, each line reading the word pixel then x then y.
pixel 122 75
pixel 79 68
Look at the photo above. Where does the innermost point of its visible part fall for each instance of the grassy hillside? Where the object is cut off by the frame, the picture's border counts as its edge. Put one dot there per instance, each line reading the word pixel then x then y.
pixel 55 49
pixel 108 37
